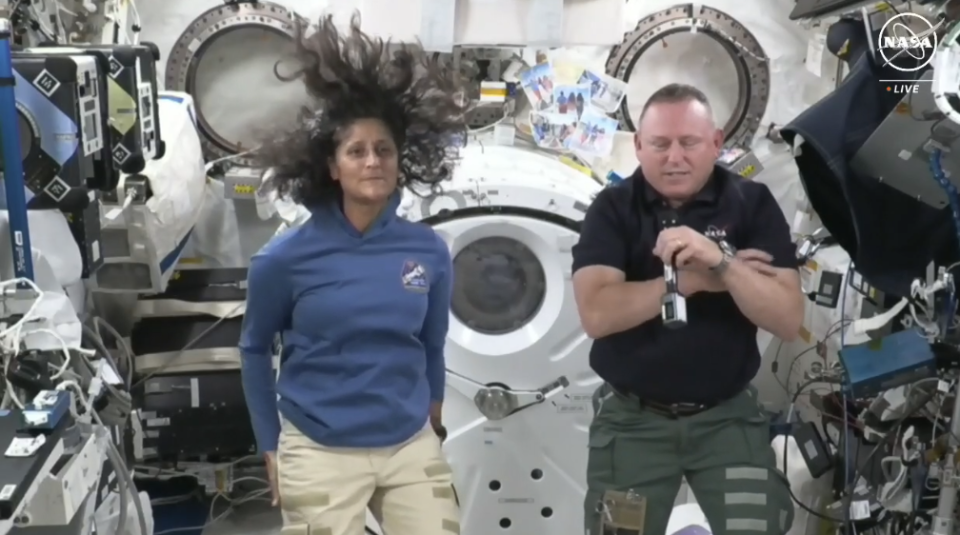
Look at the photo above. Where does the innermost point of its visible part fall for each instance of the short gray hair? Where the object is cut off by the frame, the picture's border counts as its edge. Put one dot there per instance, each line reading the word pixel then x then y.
pixel 674 93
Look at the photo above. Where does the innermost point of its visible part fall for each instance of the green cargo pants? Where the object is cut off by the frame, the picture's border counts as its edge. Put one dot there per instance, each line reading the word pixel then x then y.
pixel 723 452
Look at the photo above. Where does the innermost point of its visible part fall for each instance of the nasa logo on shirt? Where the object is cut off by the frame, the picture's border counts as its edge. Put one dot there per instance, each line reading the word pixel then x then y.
pixel 414 277
pixel 716 234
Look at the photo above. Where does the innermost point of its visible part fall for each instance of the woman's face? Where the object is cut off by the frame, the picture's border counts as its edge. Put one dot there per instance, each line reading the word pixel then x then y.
pixel 366 162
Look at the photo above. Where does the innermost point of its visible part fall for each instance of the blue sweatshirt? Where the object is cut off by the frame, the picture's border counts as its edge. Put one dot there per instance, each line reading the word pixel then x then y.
pixel 363 319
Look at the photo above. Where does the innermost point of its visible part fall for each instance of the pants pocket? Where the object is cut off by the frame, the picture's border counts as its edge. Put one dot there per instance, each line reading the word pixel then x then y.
pixel 600 458
pixel 754 473
pixel 600 470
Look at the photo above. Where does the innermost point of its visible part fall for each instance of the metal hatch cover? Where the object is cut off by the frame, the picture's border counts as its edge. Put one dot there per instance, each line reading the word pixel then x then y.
pixel 752 65
pixel 519 383
pixel 189 49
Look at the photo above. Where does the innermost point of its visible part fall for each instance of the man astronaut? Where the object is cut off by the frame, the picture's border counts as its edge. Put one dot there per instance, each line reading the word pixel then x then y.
pixel 677 402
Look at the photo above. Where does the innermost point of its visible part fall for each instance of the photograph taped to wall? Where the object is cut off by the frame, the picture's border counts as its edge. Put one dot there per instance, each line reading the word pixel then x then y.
pixel 606 92
pixel 571 99
pixel 538 83
pixel 593 134
pixel 567 71
pixel 550 130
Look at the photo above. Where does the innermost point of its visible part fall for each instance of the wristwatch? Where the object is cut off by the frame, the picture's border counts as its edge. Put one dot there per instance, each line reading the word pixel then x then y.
pixel 724 260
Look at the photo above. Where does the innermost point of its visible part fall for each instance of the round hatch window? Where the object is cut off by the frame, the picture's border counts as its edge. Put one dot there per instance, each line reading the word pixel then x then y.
pixel 499 285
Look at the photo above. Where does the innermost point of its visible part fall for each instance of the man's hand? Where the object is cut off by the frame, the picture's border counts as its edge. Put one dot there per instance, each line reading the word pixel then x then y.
pixel 693 281
pixel 692 249
pixel 758 260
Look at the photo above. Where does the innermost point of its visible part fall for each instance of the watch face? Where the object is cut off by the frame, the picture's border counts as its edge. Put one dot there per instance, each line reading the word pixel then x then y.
pixel 727 249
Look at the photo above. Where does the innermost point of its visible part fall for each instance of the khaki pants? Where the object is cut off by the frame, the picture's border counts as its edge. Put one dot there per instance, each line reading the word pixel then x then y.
pixel 326 491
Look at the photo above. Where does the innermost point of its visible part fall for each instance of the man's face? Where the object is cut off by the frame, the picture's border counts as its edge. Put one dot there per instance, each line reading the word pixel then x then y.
pixel 677 145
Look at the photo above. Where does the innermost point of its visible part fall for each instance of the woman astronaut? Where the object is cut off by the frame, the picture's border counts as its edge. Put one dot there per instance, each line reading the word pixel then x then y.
pixel 359 296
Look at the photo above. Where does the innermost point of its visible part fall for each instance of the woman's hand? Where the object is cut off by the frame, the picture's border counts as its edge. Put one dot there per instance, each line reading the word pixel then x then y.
pixel 436 420
pixel 270 459
pixel 436 413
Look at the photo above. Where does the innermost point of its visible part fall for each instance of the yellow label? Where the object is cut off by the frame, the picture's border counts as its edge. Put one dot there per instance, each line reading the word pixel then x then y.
pixel 190 261
pixel 493 91
pixel 573 164
pixel 844 50
pixel 175 276
pixel 122 107
pixel 242 189
pixel 812 265
pixel 748 171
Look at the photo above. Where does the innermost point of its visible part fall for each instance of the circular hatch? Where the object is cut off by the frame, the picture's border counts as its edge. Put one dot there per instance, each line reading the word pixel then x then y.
pixel 723 46
pixel 226 59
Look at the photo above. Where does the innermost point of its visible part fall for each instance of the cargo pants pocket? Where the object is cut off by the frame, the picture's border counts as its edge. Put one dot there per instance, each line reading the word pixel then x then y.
pixel 737 483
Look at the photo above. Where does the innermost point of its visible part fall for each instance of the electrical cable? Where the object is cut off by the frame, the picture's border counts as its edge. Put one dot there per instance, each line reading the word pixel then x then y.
pixel 844 521
pixel 892 434
pixel 843 403
pixel 936 415
pixel 786 443
pixel 12 348
pixel 123 474
pixel 94 335
pixel 113 455
pixel 258 494
pixel 123 494
pixel 831 330
pixel 122 344
pixel 136 26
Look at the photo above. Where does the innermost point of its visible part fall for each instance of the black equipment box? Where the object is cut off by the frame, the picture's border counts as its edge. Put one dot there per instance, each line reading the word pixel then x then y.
pixel 85 227
pixel 149 54
pixel 192 414
pixel 131 103
pixel 60 101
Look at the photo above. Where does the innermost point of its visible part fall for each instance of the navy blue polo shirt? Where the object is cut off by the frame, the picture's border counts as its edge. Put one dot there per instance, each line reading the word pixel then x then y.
pixel 715 356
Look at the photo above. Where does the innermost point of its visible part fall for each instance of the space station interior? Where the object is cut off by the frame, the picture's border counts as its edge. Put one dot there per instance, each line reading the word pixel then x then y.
pixel 132 207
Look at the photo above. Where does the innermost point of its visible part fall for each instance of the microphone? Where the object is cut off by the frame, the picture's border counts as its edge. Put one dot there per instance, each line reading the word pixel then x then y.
pixel 673 306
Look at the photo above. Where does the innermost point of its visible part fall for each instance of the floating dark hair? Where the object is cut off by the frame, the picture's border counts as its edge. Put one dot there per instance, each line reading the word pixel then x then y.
pixel 353 76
